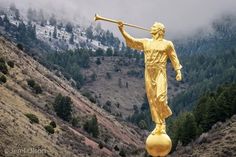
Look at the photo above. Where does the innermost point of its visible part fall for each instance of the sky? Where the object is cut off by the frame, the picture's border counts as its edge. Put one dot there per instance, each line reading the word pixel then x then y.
pixel 180 17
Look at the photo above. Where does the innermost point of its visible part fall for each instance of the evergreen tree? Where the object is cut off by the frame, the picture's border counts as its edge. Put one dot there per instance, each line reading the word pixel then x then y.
pixel 63 107
pixel 69 27
pixel 109 52
pixel 99 52
pixel 53 21
pixel 17 14
pixel 189 129
pixel 91 126
pixel 55 33
pixel 72 39
pixel 89 32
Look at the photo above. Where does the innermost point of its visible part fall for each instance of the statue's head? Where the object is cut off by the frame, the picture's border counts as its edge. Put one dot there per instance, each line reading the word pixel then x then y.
pixel 158 29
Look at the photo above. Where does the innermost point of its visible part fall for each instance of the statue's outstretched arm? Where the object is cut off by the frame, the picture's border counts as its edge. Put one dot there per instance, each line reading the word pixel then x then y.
pixel 131 42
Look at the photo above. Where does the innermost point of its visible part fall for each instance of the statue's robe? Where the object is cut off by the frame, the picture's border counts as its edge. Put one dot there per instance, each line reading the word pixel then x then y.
pixel 156 53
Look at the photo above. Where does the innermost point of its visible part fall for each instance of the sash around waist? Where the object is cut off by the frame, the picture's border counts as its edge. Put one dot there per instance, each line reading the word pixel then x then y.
pixel 156 65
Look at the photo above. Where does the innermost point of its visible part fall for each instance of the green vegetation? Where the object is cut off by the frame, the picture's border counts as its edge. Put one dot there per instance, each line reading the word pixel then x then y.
pixel 100 145
pixel 33 118
pixel 63 107
pixel 3 66
pixel 3 79
pixel 211 108
pixel 98 61
pixel 142 117
pixel 11 64
pixel 70 63
pixel 204 72
pixel 49 129
pixel 122 153
pixel 135 73
pixel 36 87
pixel 53 124
pixel 31 83
pixel 91 126
pixel 20 46
pixel 107 106
pixel 108 76
pixel 75 122
pixel 89 95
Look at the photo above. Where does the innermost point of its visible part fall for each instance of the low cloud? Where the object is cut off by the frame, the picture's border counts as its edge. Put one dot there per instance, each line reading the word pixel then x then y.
pixel 180 17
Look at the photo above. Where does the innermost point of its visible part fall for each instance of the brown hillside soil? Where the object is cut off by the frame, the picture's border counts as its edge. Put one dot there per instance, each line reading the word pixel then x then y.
pixel 110 89
pixel 17 99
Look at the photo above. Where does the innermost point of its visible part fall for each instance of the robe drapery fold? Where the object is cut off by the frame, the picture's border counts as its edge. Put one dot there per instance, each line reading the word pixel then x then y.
pixel 156 54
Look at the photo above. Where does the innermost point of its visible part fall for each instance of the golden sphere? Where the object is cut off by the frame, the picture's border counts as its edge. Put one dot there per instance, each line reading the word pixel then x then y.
pixel 158 145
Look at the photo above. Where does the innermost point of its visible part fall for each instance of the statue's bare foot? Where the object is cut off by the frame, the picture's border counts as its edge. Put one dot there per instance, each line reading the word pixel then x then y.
pixel 159 129
pixel 155 131
pixel 163 129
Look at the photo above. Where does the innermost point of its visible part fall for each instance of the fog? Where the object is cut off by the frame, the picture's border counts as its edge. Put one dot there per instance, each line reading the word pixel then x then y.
pixel 181 17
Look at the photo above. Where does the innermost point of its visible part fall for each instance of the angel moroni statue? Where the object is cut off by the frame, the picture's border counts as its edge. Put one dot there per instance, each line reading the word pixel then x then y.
pixel 156 52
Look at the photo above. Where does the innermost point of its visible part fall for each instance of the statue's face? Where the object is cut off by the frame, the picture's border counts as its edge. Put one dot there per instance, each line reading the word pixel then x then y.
pixel 157 28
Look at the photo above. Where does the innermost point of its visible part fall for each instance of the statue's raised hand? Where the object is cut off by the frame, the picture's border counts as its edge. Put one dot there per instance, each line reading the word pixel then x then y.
pixel 120 25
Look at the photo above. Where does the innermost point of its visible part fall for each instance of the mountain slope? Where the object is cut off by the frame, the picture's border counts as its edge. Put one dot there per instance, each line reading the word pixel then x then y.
pixel 220 141
pixel 17 99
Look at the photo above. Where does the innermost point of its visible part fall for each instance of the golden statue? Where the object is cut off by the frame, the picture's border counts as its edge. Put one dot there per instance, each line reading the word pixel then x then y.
pixel 156 51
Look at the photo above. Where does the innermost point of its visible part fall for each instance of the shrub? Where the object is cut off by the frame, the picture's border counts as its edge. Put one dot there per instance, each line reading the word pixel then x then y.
pixel 91 126
pixel 33 118
pixel 53 124
pixel 3 67
pixel 89 96
pixel 63 107
pixel 93 77
pixel 20 46
pixel 107 108
pixel 3 79
pixel 31 83
pixel 108 75
pixel 98 61
pixel 108 103
pixel 37 88
pixel 75 121
pixel 49 129
pixel 11 64
pixel 116 148
pixel 142 124
pixel 2 60
pixel 122 153
pixel 100 145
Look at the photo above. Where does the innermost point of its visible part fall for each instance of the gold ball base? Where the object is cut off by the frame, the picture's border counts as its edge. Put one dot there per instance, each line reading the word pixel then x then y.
pixel 158 145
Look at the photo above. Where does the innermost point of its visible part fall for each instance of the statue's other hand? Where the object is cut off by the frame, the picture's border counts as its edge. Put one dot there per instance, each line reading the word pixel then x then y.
pixel 121 25
pixel 178 75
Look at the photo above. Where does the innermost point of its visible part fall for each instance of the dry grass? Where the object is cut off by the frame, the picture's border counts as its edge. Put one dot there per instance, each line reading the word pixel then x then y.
pixel 16 99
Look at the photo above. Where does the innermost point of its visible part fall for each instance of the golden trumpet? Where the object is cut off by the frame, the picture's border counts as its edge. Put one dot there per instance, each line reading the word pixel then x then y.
pixel 97 17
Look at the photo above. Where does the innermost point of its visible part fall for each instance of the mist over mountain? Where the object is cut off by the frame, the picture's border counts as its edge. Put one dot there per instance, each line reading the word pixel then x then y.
pixel 181 18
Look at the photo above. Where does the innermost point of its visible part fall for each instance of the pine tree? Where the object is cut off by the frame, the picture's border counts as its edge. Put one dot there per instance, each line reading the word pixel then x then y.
pixel 69 27
pixel 189 127
pixel 72 39
pixel 63 107
pixel 53 20
pixel 55 33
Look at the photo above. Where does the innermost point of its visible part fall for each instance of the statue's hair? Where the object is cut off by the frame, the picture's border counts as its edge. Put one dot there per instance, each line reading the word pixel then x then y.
pixel 157 26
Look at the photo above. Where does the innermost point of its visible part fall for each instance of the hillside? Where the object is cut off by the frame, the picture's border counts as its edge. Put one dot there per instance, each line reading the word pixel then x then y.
pixel 120 80
pixel 220 141
pixel 17 99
